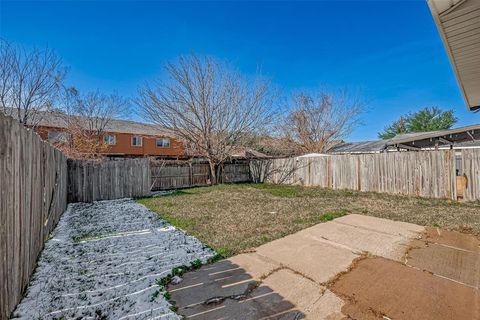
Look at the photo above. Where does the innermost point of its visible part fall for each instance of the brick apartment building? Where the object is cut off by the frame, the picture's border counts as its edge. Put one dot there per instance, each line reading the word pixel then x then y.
pixel 124 138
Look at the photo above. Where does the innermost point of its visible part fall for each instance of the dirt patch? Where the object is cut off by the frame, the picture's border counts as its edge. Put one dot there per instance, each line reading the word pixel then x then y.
pixel 453 255
pixel 378 287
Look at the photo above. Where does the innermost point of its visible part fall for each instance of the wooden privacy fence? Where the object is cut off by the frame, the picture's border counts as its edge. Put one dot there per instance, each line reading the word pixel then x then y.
pixel 471 170
pixel 235 172
pixel 426 173
pixel 178 174
pixel 104 180
pixel 174 174
pixel 33 179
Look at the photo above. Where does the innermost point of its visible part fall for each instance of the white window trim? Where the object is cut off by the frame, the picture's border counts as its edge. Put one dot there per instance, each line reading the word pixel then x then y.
pixel 163 139
pixel 107 142
pixel 137 145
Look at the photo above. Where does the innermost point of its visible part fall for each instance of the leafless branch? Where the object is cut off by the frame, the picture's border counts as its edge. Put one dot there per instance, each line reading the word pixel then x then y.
pixel 86 120
pixel 316 122
pixel 209 105
pixel 30 81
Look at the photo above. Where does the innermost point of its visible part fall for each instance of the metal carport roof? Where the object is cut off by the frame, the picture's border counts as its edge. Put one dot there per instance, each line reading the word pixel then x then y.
pixel 433 139
pixel 463 137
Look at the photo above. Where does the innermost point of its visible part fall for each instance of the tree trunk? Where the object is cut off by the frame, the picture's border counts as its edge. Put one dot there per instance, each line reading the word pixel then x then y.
pixel 213 172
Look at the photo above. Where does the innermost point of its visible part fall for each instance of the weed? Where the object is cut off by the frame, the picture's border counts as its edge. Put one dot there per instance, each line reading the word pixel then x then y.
pixel 179 271
pixel 321 217
pixel 334 214
pixel 167 295
pixel 196 264
pixel 155 295
pixel 215 258
pixel 225 251
pixel 265 238
pixel 163 282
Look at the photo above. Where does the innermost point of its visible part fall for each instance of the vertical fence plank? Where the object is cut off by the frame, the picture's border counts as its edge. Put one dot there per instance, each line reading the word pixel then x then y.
pixel 33 197
pixel 471 169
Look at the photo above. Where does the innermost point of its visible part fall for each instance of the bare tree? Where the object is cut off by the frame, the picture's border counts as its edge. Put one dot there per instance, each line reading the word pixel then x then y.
pixel 316 122
pixel 30 81
pixel 86 119
pixel 209 105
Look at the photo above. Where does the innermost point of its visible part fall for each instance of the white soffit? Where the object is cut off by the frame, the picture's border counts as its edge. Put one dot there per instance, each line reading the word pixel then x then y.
pixel 458 22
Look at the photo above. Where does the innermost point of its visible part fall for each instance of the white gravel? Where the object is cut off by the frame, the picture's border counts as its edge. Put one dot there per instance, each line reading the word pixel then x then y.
pixel 102 263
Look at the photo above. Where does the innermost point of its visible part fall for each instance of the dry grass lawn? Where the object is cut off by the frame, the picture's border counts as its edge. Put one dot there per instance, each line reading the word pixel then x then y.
pixel 234 218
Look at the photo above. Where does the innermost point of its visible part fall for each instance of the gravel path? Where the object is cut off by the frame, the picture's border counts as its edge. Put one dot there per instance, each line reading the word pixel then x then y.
pixel 102 262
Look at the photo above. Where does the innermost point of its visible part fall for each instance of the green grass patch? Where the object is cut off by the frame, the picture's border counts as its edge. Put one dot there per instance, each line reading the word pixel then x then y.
pixel 321 217
pixel 334 214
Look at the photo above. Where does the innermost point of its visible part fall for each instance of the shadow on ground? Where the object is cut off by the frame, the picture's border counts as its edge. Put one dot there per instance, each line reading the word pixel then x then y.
pixel 226 291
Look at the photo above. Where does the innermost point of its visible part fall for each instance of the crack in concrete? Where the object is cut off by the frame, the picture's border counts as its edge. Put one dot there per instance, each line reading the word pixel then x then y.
pixel 247 293
pixel 254 285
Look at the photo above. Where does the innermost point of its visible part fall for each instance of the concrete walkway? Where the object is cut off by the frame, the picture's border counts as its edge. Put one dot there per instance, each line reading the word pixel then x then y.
pixel 102 263
pixel 355 266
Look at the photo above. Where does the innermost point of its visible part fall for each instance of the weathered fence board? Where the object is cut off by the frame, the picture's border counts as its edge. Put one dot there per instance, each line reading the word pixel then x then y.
pixel 174 174
pixel 235 172
pixel 33 179
pixel 425 174
pixel 106 180
pixel 471 169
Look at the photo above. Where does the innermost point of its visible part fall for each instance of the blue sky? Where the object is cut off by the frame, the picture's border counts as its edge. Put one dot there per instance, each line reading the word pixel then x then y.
pixel 390 50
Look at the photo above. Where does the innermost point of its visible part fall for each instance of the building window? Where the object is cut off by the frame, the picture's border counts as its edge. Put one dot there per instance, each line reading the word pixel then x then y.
pixel 136 141
pixel 58 136
pixel 163 143
pixel 109 139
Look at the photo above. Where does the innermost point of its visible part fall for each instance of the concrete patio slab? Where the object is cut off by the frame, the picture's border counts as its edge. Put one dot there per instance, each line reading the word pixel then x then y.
pixel 256 265
pixel 448 254
pixel 263 303
pixel 452 239
pixel 405 229
pixel 223 279
pixel 315 260
pixel 281 294
pixel 378 288
pixel 358 239
pixel 315 301
pixel 227 291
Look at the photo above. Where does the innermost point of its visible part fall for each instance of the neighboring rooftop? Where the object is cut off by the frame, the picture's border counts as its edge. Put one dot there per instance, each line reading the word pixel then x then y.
pixel 247 153
pixel 458 22
pixel 373 146
pixel 57 120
